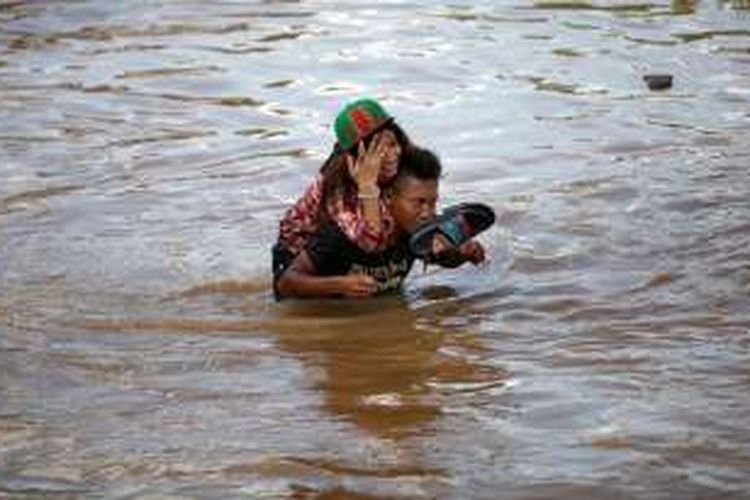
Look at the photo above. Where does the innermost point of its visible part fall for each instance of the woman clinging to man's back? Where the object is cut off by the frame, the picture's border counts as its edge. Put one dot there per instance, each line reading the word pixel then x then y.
pixel 352 184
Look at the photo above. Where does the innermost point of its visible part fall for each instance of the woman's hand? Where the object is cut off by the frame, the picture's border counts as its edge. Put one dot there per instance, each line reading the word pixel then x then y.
pixel 365 168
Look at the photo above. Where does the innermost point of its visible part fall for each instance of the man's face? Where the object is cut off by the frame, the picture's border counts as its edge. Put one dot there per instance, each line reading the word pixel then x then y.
pixel 413 202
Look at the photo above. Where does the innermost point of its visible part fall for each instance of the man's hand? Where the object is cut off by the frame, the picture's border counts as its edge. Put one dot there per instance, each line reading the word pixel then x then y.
pixel 448 255
pixel 472 251
pixel 358 285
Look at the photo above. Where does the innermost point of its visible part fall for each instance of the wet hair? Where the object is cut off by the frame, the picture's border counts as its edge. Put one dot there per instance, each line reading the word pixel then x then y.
pixel 420 163
pixel 335 172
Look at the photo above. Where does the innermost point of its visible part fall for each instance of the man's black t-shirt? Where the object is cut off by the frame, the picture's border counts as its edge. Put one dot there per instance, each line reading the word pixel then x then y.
pixel 333 254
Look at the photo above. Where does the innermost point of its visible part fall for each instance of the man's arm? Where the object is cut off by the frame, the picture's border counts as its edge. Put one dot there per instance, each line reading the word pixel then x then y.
pixel 301 280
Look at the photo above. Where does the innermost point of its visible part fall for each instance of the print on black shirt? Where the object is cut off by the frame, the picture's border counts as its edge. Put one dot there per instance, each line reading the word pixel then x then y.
pixel 333 254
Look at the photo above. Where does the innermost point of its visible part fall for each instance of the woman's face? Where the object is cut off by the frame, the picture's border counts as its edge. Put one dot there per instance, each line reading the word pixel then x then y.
pixel 391 156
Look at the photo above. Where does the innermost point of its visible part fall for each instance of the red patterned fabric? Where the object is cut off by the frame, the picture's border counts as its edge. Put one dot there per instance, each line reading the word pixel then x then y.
pixel 301 220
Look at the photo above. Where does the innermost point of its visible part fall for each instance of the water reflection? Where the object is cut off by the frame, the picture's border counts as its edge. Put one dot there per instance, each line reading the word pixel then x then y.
pixel 381 366
pixel 677 7
pixel 736 4
pixel 684 6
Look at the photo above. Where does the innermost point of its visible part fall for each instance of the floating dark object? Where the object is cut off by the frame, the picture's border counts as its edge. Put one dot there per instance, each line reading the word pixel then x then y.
pixel 658 82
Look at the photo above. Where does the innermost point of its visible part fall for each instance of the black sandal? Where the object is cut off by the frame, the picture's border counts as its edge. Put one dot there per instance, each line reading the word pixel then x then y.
pixel 458 224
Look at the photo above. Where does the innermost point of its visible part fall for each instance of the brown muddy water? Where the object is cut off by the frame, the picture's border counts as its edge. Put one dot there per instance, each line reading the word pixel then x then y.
pixel 148 149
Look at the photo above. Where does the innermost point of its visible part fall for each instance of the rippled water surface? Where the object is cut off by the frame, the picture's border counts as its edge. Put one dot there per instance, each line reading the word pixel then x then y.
pixel 148 149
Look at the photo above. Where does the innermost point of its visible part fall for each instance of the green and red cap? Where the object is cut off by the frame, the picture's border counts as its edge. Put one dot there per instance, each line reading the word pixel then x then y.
pixel 359 120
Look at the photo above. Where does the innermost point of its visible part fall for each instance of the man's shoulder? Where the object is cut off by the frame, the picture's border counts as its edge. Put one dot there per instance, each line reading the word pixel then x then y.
pixel 330 250
pixel 330 233
pixel 330 247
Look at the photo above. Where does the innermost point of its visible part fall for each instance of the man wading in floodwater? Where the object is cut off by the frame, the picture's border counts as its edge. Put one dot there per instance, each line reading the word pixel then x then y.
pixel 332 265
